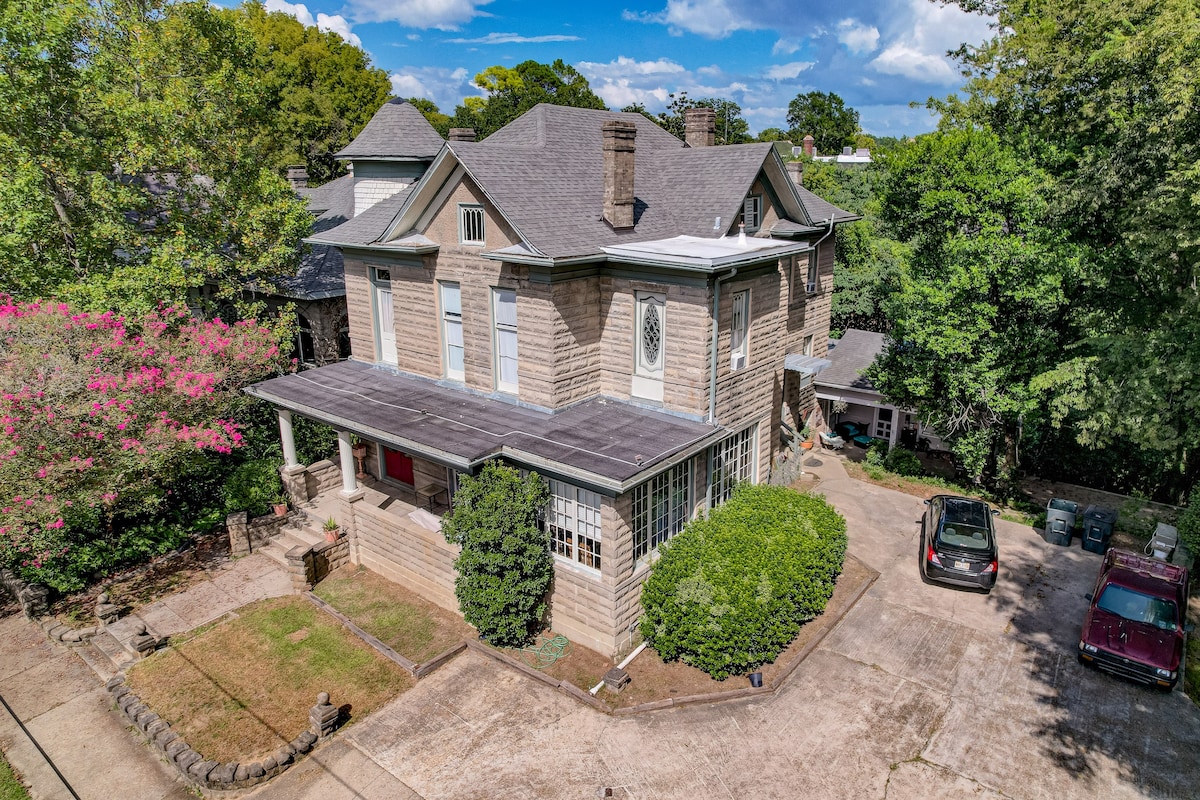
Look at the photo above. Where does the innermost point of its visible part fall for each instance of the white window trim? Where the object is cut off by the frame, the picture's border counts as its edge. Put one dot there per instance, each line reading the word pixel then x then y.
pixel 383 319
pixel 465 224
pixel 739 330
pixel 448 321
pixel 812 280
pixel 579 518
pixel 742 447
pixel 675 515
pixel 644 301
pixel 752 210
pixel 498 328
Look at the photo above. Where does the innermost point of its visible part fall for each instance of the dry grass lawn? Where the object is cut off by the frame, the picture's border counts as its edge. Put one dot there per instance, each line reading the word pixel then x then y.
pixel 412 626
pixel 242 688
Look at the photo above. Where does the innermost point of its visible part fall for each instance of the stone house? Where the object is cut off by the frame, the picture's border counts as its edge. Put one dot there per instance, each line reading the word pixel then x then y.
pixel 636 319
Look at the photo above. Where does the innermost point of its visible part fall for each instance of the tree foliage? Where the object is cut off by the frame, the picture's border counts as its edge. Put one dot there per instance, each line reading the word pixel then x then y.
pixel 511 91
pixel 127 176
pixel 317 90
pixel 100 416
pixel 824 116
pixel 732 590
pixel 505 568
pixel 432 114
pixel 1104 98
pixel 731 128
pixel 982 294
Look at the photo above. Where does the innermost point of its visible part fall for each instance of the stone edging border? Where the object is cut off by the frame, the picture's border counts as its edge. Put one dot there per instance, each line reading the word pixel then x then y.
pixel 194 768
pixel 571 690
pixel 418 671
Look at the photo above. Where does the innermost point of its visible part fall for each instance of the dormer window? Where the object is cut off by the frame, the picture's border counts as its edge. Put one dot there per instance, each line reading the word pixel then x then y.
pixel 470 224
pixel 752 212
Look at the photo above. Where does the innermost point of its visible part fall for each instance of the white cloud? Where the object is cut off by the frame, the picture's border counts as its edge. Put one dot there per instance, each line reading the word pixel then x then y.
pixel 857 37
pixel 445 87
pixel 625 81
pixel 444 15
pixel 785 47
pixel 325 22
pixel 413 37
pixel 711 18
pixel 624 67
pixel 919 53
pixel 515 38
pixel 787 72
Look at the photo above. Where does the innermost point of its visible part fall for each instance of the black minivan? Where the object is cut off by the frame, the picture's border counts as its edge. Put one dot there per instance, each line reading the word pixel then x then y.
pixel 958 542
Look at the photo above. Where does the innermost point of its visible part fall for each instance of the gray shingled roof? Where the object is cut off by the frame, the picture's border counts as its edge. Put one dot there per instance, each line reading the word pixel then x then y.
pixel 545 173
pixel 321 271
pixel 603 442
pixel 819 210
pixel 850 356
pixel 324 197
pixel 397 131
pixel 368 226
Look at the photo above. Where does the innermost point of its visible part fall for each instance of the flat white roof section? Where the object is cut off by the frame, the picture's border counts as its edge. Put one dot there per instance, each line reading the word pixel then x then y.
pixel 695 252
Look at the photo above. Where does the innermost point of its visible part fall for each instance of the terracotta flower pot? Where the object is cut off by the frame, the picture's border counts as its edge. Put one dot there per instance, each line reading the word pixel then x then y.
pixel 281 509
pixel 806 445
pixel 332 536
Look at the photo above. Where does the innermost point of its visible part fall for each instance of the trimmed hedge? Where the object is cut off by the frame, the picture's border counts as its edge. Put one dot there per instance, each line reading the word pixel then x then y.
pixel 731 591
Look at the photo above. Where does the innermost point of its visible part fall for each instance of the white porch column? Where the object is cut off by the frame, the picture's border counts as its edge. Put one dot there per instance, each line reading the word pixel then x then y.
pixel 349 481
pixel 286 438
pixel 894 436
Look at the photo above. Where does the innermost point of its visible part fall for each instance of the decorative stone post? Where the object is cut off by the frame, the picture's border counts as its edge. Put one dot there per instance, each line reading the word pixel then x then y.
pixel 323 717
pixel 106 612
pixel 142 643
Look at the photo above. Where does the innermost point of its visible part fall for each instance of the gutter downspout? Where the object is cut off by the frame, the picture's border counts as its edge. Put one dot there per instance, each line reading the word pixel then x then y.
pixel 712 373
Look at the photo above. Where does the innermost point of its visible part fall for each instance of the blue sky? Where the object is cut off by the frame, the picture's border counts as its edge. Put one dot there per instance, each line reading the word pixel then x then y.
pixel 878 56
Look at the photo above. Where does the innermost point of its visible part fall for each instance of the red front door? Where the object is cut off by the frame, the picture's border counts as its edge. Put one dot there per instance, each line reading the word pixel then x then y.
pixel 399 467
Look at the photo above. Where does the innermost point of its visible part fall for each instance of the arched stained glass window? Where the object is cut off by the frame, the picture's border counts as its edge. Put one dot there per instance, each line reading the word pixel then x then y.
pixel 651 336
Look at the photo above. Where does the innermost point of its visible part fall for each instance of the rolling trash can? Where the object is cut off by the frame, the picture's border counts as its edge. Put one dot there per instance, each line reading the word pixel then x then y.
pixel 1060 521
pixel 1098 523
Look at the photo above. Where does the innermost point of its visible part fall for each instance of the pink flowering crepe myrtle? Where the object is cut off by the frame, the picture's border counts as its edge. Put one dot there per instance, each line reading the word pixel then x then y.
pixel 95 409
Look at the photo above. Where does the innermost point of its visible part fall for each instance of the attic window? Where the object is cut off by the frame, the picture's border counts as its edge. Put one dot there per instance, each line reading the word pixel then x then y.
pixel 470 224
pixel 752 212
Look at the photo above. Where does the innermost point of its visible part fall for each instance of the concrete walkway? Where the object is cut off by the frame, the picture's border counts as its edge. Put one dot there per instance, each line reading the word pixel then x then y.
pixel 921 692
pixel 57 693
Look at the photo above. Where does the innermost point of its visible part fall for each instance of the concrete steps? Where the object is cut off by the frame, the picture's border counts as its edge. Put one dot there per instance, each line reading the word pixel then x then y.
pixel 299 530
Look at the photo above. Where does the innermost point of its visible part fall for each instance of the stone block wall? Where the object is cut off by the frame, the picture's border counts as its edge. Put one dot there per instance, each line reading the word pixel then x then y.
pixel 248 535
pixel 196 769
pixel 405 552
pixel 308 566
pixel 321 477
pixel 31 596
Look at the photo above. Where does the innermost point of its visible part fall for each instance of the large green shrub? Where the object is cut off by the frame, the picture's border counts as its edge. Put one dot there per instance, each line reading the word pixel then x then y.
pixel 732 590
pixel 1189 523
pixel 505 567
pixel 253 487
pixel 903 462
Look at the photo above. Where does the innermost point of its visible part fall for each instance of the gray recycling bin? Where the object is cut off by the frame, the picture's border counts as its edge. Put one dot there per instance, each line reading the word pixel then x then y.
pixel 1060 521
pixel 1098 523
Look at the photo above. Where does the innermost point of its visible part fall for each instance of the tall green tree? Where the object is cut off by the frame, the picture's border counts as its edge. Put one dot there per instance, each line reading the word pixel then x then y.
pixel 318 90
pixel 510 92
pixel 731 128
pixel 1106 99
pixel 978 311
pixel 128 174
pixel 505 568
pixel 826 117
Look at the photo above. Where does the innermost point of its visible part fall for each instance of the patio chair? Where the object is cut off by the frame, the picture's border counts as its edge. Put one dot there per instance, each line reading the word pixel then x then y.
pixel 831 441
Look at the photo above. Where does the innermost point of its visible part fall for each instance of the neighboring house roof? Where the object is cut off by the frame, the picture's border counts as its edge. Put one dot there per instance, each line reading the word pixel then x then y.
pixel 320 273
pixel 849 357
pixel 544 172
pixel 599 442
pixel 397 131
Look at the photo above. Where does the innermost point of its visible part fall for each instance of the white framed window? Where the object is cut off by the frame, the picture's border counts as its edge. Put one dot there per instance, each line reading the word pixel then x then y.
pixel 883 424
pixel 739 349
pixel 651 334
pixel 732 463
pixel 812 284
pixel 470 224
pixel 452 332
pixel 661 507
pixel 573 522
pixel 752 213
pixel 808 345
pixel 504 311
pixel 385 323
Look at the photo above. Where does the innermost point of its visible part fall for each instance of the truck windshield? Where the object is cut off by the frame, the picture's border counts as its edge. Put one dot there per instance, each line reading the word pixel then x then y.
pixel 1138 607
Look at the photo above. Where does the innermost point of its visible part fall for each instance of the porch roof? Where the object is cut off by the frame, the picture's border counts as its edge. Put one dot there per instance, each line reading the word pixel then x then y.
pixel 608 444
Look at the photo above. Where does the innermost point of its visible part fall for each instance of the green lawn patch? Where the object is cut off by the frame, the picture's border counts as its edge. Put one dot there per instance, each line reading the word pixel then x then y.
pixel 412 626
pixel 1191 674
pixel 11 787
pixel 244 687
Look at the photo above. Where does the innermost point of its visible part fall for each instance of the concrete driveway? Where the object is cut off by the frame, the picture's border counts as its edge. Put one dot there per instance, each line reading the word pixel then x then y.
pixel 920 692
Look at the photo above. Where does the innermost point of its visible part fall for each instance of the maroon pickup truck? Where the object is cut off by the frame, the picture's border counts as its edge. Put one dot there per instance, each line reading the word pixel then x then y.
pixel 1135 626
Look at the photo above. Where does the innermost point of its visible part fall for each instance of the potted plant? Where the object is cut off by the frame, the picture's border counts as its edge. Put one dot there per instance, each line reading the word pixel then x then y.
pixel 806 441
pixel 280 505
pixel 331 530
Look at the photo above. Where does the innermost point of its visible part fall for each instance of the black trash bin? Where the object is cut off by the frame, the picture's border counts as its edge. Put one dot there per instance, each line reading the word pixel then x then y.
pixel 1060 521
pixel 1098 523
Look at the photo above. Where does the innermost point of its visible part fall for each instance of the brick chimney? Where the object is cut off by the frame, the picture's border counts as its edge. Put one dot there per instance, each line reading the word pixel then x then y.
pixel 618 172
pixel 795 171
pixel 462 134
pixel 700 127
pixel 808 145
pixel 297 176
